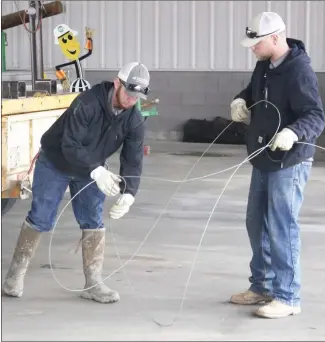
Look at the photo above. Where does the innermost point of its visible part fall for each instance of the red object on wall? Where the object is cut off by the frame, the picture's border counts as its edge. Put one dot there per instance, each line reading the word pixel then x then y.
pixel 146 150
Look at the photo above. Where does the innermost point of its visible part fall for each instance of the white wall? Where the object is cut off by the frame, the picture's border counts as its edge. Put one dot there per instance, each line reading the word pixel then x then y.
pixel 168 35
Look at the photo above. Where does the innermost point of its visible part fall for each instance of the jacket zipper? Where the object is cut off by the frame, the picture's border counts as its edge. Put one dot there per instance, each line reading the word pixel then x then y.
pixel 266 90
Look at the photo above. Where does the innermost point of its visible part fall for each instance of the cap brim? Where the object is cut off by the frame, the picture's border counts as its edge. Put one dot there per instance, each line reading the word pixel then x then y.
pixel 249 42
pixel 136 94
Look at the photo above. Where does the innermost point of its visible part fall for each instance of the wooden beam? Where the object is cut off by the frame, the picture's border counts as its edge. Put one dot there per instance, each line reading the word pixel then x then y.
pixel 15 19
pixel 36 104
pixel 13 192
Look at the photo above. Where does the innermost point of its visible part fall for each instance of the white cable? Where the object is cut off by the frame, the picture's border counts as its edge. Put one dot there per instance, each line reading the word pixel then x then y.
pixel 305 143
pixel 197 252
pixel 156 222
pixel 253 155
pixel 197 178
pixel 146 237
pixel 158 219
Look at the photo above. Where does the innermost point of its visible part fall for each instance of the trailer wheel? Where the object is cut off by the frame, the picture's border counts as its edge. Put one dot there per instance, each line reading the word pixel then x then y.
pixel 7 204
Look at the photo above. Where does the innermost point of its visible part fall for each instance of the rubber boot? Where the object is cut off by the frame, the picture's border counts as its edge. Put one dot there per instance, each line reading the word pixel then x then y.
pixel 93 248
pixel 27 243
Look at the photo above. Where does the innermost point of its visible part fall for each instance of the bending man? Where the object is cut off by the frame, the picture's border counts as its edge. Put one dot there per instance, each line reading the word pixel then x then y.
pixel 73 153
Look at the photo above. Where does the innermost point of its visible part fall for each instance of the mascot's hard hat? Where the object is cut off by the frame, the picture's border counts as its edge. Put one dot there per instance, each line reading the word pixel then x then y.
pixel 62 29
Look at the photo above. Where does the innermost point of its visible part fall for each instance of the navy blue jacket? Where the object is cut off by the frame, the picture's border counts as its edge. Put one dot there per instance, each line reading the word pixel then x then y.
pixel 293 88
pixel 88 132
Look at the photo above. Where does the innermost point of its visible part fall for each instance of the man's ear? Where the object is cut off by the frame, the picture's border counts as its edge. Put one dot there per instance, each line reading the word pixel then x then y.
pixel 275 38
pixel 116 83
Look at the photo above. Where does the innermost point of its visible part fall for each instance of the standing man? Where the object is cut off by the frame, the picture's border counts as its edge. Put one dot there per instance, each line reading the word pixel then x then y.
pixel 73 153
pixel 283 75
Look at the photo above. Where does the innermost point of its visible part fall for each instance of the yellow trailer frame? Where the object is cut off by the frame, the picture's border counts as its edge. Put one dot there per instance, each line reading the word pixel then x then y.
pixel 23 121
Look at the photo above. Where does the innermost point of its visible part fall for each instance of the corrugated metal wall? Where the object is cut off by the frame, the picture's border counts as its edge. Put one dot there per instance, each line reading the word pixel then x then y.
pixel 169 35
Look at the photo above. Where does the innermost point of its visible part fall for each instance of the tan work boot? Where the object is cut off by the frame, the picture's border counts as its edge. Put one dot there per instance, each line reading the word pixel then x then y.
pixel 277 309
pixel 249 298
pixel 93 248
pixel 26 245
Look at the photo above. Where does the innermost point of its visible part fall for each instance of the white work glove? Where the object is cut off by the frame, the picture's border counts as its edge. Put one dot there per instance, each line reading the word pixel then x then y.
pixel 121 207
pixel 284 140
pixel 106 181
pixel 239 111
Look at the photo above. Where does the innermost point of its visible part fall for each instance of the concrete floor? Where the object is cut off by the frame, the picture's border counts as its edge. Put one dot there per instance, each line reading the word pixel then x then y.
pixel 159 270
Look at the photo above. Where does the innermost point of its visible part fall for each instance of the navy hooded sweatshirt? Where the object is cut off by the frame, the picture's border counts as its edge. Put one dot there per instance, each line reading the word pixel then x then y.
pixel 88 132
pixel 293 88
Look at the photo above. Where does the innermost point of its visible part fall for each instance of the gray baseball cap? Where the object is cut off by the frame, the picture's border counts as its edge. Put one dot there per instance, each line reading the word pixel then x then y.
pixel 135 78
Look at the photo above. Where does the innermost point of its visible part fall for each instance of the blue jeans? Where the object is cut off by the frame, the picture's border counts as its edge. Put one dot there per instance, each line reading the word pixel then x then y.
pixel 274 203
pixel 49 187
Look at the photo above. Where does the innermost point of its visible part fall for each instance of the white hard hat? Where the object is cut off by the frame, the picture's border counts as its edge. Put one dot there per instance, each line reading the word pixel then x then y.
pixel 261 26
pixel 62 29
pixel 135 77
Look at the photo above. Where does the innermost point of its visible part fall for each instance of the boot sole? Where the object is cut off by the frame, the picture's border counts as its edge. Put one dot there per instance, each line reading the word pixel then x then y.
pixel 274 316
pixel 13 294
pixel 104 300
pixel 262 301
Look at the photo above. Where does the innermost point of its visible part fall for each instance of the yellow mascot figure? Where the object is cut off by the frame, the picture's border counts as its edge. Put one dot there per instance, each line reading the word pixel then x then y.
pixel 70 47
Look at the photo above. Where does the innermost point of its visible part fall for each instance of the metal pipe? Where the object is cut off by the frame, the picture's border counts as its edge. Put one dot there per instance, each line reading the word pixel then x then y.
pixel 36 42
pixel 32 27
pixel 39 45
